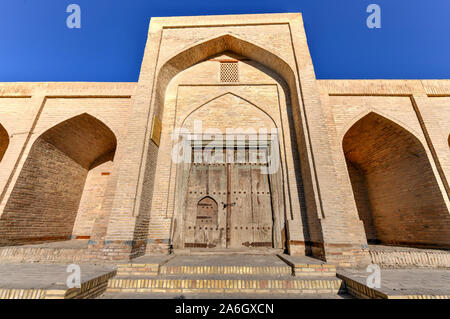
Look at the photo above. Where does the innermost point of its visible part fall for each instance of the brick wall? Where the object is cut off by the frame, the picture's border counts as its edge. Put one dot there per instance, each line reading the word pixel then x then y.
pixel 92 199
pixel 407 257
pixel 44 201
pixel 362 199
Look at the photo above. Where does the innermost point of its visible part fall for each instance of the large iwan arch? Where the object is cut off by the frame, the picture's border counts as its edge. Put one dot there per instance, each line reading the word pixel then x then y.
pixel 46 198
pixel 211 47
pixel 231 44
pixel 396 192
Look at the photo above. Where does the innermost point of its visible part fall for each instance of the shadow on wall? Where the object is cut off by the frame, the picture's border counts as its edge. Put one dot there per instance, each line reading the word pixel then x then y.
pixel 4 141
pixel 396 192
pixel 44 202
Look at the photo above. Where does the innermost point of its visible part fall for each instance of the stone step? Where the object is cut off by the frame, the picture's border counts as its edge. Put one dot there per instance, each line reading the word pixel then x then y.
pixel 137 269
pixel 143 270
pixel 226 270
pixel 143 266
pixel 228 265
pixel 162 284
pixel 305 266
pixel 226 251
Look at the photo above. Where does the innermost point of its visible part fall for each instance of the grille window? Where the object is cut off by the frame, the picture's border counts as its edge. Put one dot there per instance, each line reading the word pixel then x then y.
pixel 229 72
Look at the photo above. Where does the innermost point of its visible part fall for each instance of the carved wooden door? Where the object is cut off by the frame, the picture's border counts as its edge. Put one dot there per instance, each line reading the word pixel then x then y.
pixel 228 206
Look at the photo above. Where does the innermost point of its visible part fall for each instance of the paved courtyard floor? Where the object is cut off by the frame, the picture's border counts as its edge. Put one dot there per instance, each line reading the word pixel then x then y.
pixel 44 276
pixel 407 281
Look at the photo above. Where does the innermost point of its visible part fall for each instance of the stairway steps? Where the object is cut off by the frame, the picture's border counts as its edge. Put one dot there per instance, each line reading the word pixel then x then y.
pixel 228 274
pixel 302 267
pixel 240 284
pixel 138 269
pixel 298 270
pixel 225 270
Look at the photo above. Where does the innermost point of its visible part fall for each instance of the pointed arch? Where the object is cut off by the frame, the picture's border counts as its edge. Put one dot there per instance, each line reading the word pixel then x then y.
pixel 198 52
pixel 368 111
pixel 84 138
pixel 395 189
pixel 210 203
pixel 202 50
pixel 4 141
pixel 46 197
pixel 222 96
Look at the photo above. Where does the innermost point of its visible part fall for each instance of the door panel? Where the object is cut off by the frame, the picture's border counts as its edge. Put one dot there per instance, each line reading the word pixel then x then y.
pixel 262 209
pixel 216 189
pixel 241 221
pixel 204 216
pixel 247 210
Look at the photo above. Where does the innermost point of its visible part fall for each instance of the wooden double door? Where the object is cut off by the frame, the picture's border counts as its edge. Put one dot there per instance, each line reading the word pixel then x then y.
pixel 228 205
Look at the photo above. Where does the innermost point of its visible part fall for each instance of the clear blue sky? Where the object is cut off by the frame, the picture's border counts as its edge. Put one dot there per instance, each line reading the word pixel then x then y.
pixel 36 45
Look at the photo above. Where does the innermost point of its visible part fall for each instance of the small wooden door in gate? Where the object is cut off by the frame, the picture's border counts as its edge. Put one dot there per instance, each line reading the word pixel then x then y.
pixel 205 218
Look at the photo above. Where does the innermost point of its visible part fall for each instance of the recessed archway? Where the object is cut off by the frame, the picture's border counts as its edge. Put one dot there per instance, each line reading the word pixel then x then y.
pixel 249 219
pixel 273 65
pixel 4 141
pixel 44 202
pixel 396 192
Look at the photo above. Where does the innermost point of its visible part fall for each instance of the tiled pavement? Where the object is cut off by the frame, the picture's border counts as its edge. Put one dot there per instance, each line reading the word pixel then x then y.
pixel 401 282
pixel 44 276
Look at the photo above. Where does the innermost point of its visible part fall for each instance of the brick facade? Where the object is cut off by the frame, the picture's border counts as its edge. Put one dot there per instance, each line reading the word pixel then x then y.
pixel 360 160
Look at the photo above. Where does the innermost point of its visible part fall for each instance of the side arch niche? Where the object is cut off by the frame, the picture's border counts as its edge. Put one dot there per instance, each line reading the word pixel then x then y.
pixel 46 197
pixel 396 192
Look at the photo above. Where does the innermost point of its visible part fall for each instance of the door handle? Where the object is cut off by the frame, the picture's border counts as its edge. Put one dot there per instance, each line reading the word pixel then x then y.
pixel 226 205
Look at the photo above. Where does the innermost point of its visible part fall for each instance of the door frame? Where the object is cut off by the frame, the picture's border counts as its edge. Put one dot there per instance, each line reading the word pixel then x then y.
pixel 193 141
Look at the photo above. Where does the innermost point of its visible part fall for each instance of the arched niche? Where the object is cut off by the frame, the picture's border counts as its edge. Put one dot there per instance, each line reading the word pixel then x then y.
pixel 45 200
pixel 395 189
